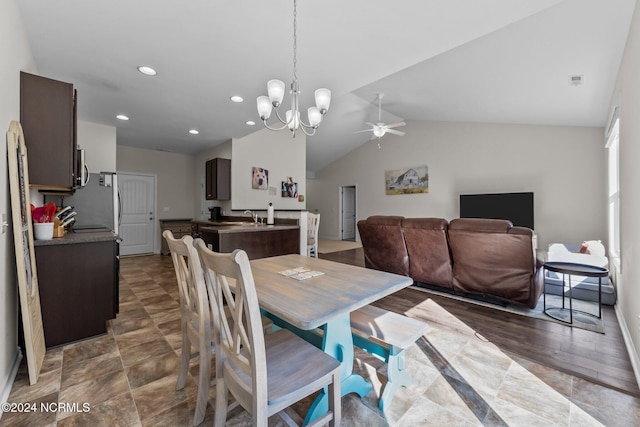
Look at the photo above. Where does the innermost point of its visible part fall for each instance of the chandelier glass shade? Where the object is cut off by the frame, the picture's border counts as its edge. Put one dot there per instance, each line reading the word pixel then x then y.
pixel 275 95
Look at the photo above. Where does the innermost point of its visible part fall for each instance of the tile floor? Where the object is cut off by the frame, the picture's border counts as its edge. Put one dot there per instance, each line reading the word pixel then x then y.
pixel 127 377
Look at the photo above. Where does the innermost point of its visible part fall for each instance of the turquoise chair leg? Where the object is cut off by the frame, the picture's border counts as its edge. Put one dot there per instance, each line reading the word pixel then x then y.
pixel 396 375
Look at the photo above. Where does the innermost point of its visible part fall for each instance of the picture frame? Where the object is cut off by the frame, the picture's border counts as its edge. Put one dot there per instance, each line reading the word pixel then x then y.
pixel 289 188
pixel 407 181
pixel 25 254
pixel 259 178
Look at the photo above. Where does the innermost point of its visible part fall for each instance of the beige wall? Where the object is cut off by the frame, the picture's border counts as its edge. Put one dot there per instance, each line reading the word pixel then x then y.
pixel 16 57
pixel 563 166
pixel 175 177
pixel 99 144
pixel 279 153
pixel 628 99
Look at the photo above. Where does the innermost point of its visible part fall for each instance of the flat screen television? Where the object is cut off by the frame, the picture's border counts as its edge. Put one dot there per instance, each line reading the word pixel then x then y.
pixel 516 207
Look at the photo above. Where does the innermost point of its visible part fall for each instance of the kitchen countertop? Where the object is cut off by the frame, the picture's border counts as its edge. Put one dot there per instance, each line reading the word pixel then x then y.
pixel 236 227
pixel 75 238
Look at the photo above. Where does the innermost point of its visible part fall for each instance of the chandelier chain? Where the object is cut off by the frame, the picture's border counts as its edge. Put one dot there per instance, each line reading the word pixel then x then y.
pixel 295 39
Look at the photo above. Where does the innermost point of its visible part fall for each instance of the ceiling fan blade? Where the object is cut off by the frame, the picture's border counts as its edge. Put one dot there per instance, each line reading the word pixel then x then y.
pixel 395 125
pixel 370 124
pixel 395 132
pixel 366 130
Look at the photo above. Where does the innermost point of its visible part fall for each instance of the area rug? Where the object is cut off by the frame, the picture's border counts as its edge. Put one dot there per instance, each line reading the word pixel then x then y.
pixel 326 246
pixel 580 320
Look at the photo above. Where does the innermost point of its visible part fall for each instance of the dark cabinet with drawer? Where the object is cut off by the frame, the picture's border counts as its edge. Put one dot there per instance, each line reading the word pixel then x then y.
pixel 178 227
pixel 218 179
pixel 48 116
pixel 78 286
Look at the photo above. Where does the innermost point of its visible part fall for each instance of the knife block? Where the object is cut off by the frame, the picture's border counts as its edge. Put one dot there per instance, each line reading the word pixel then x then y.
pixel 58 229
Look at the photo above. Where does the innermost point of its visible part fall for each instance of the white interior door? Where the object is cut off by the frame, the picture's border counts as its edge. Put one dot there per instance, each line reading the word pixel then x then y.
pixel 348 213
pixel 138 224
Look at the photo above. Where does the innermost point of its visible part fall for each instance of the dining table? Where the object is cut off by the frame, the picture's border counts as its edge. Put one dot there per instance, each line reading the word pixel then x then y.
pixel 314 298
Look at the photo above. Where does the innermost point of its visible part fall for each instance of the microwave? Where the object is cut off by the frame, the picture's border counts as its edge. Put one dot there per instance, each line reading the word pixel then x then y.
pixel 82 172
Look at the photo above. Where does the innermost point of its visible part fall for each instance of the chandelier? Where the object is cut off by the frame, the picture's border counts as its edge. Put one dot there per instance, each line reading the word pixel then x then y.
pixel 292 119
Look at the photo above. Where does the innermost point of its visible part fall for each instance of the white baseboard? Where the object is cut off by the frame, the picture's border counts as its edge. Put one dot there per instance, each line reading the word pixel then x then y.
pixel 8 381
pixel 631 349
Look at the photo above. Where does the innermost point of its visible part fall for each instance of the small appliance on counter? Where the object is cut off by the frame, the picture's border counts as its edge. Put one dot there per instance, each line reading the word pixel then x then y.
pixel 216 214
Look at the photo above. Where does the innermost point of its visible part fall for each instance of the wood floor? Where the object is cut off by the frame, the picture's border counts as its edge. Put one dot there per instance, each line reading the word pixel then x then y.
pixel 600 358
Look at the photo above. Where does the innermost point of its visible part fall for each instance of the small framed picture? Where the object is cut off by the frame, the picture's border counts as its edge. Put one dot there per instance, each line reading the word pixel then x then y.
pixel 289 188
pixel 259 178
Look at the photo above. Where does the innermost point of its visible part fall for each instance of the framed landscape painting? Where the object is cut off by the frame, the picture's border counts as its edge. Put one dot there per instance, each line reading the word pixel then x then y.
pixel 407 181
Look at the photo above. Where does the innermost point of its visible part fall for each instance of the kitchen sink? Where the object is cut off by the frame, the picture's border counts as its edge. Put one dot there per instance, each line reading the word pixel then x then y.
pixel 230 223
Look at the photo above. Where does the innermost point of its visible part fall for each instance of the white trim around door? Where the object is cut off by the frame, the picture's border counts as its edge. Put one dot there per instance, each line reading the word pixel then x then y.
pixel 139 226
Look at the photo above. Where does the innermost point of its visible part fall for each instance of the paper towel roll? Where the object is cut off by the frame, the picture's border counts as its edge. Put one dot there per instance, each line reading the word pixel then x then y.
pixel 270 214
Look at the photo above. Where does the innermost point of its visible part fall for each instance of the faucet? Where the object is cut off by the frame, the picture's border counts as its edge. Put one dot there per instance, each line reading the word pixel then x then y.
pixel 253 215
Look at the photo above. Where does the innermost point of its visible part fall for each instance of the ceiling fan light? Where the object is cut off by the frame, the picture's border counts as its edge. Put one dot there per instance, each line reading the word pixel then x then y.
pixel 315 116
pixel 293 123
pixel 264 107
pixel 275 90
pixel 379 131
pixel 323 99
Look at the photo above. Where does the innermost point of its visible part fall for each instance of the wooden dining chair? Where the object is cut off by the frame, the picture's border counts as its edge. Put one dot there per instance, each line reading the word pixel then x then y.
pixel 313 223
pixel 197 331
pixel 265 373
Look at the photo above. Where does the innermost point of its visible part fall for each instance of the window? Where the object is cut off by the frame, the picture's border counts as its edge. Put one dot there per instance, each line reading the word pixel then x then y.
pixel 613 216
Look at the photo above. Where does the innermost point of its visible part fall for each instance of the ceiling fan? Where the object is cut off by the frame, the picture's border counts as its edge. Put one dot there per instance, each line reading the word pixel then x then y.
pixel 380 129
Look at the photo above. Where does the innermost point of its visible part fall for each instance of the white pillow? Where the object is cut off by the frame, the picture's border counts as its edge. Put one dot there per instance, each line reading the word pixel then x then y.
pixel 595 247
pixel 558 252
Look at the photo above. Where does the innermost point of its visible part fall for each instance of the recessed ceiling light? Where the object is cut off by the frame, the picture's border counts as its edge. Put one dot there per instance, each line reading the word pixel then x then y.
pixel 236 98
pixel 194 131
pixel 148 71
pixel 122 117
pixel 250 122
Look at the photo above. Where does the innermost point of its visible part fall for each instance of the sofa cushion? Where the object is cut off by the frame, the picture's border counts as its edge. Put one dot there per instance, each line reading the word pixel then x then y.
pixel 383 244
pixel 492 257
pixel 429 259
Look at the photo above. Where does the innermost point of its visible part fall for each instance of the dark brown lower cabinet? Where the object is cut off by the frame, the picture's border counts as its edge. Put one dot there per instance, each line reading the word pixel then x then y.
pixel 78 286
pixel 260 244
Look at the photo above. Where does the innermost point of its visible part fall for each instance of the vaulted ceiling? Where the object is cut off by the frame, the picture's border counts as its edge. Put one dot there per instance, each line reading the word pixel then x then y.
pixel 499 61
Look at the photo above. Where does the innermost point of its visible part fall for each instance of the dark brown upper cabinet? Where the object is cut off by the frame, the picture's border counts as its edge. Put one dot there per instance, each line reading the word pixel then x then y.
pixel 48 114
pixel 218 179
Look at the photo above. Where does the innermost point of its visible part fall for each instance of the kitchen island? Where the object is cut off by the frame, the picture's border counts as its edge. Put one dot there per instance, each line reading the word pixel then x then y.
pixel 78 283
pixel 258 240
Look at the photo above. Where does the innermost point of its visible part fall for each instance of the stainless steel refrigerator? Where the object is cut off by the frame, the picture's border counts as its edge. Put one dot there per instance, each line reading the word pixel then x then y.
pixel 97 204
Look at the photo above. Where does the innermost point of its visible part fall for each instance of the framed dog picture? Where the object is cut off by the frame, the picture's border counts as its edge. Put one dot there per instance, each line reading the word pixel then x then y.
pixel 289 188
pixel 259 178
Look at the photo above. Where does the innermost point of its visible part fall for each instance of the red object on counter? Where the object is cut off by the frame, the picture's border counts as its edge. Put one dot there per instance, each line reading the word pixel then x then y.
pixel 44 213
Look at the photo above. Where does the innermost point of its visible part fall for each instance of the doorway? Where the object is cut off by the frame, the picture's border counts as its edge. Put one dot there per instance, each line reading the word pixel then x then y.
pixel 138 226
pixel 348 213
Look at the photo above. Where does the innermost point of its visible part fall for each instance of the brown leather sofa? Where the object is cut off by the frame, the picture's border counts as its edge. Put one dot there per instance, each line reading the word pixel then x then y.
pixel 487 257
